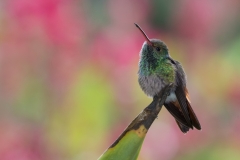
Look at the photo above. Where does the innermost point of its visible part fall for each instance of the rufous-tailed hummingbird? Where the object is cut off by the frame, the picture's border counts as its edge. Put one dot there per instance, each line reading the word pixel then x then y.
pixel 157 70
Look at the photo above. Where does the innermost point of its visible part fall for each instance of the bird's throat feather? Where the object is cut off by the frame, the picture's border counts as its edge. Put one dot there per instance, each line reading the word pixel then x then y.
pixel 149 65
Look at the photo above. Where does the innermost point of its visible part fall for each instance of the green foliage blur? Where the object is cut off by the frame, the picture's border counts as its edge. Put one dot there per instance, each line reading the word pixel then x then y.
pixel 68 77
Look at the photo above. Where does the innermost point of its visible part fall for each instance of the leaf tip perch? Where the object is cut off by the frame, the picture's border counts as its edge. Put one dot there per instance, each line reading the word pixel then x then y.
pixel 129 143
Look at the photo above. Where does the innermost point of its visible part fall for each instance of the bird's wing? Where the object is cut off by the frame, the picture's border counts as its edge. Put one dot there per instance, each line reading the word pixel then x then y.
pixel 193 116
pixel 183 98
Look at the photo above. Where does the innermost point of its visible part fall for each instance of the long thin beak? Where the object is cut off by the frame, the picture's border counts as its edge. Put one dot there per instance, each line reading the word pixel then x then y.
pixel 144 34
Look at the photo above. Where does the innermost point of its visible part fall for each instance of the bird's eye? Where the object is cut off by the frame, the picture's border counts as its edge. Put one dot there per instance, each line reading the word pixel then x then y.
pixel 158 49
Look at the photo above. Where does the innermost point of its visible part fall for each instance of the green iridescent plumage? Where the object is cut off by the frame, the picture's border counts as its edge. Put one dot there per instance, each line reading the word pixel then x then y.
pixel 155 62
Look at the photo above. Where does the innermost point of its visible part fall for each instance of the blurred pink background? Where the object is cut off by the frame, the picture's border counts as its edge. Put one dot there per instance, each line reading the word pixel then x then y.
pixel 68 77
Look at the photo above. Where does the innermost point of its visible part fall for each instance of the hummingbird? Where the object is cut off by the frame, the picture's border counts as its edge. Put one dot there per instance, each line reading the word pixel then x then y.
pixel 157 70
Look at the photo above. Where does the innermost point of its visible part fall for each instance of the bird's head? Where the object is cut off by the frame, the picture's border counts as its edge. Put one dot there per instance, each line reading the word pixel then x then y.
pixel 153 48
